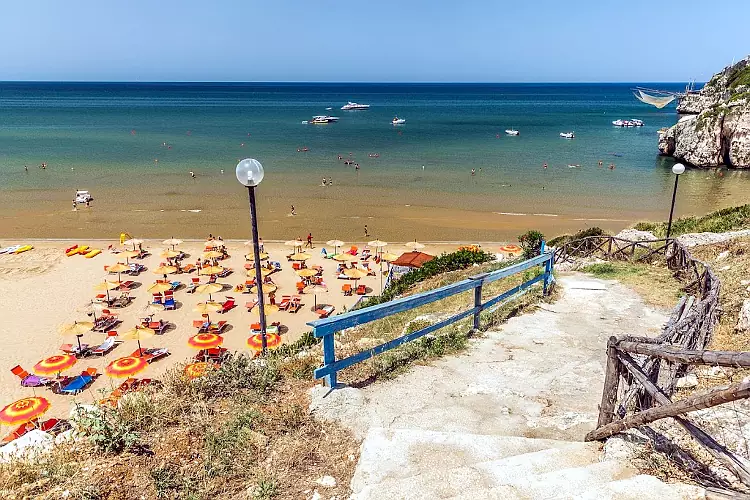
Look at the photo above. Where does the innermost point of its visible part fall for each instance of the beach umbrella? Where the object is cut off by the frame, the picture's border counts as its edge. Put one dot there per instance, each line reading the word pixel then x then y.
pixel 511 250
pixel 126 367
pixel 214 244
pixel 355 274
pixel 164 270
pixel 77 329
pixel 208 289
pixel 294 243
pixel 106 286
pixel 152 309
pixel 55 364
pixel 133 241
pixel 251 256
pixel 335 244
pixel 378 245
pixel 210 270
pixel 205 341
pixel 198 369
pixel 268 308
pixel 24 410
pixel 159 287
pixel 173 242
pixel 264 271
pixel 345 257
pixel 414 245
pixel 307 273
pixel 267 288
pixel 169 254
pixel 118 268
pixel 128 254
pixel 315 290
pixel 91 308
pixel 212 254
pixel 138 333
pixel 255 342
pixel 388 257
pixel 301 256
pixel 207 308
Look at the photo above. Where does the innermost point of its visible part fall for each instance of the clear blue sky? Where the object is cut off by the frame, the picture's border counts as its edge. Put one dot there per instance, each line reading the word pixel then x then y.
pixel 371 40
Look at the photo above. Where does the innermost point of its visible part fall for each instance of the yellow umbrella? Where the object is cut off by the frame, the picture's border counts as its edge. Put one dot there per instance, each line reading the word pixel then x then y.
pixel 263 272
pixel 335 244
pixel 388 257
pixel 251 256
pixel 214 244
pixel 76 328
pixel 268 308
pixel 118 268
pixel 209 288
pixel 345 257
pixel 307 273
pixel 213 254
pixel 315 290
pixel 164 270
pixel 172 242
pixel 129 254
pixel 355 274
pixel 267 288
pixel 414 244
pixel 170 254
pixel 133 241
pixel 159 287
pixel 294 243
pixel 138 333
pixel 301 256
pixel 209 270
pixel 207 307
pixel 106 286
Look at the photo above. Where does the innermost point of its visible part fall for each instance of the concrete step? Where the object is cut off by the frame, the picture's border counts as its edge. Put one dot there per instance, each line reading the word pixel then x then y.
pixel 402 453
pixel 645 486
pixel 485 476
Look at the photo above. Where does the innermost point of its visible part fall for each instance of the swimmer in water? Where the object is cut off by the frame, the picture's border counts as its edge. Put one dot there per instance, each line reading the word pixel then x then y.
pixel 545 165
pixel 222 171
pixel 26 168
pixel 473 172
pixel 422 167
pixel 324 182
pixel 611 166
pixel 356 166
pixel 192 174
pixel 601 163
pixel 330 181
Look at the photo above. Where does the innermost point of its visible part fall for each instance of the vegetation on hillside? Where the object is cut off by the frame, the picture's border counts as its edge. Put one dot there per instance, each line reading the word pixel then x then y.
pixel 727 219
pixel 655 283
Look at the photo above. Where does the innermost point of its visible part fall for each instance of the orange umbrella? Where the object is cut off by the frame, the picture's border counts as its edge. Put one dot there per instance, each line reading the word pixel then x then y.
pixel 205 341
pixel 195 370
pixel 255 342
pixel 24 410
pixel 511 250
pixel 55 364
pixel 126 367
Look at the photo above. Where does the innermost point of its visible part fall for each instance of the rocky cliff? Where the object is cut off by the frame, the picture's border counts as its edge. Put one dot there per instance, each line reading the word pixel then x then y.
pixel 716 130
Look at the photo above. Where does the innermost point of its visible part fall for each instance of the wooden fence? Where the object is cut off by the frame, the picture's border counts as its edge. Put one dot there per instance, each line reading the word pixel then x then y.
pixel 327 328
pixel 641 373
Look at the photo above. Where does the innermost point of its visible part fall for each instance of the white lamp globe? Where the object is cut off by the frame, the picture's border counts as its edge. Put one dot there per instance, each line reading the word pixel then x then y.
pixel 249 172
pixel 677 169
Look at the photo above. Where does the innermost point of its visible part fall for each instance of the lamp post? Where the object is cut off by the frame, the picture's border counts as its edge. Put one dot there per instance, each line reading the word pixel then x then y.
pixel 677 170
pixel 250 174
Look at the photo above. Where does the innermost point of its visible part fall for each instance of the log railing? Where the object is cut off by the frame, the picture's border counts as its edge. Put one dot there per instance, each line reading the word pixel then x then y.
pixel 641 372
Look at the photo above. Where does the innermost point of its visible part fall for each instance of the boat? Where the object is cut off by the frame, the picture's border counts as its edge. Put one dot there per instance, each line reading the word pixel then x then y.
pixel 628 123
pixel 637 123
pixel 568 135
pixel 83 197
pixel 512 132
pixel 349 106
pixel 323 119
pixel 398 121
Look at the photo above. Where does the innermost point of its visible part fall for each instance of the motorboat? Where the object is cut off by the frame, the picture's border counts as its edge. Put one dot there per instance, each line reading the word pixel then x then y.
pixel 83 197
pixel 349 106
pixel 323 119
pixel 512 132
pixel 637 123
pixel 628 123
pixel 568 135
pixel 398 121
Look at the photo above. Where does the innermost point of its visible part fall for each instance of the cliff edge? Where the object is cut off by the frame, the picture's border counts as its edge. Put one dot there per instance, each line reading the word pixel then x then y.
pixel 715 130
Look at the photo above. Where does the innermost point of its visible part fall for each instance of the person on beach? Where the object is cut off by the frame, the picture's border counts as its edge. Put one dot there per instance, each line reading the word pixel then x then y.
pixel 294 211
pixel 356 166
pixel 75 205
pixel 260 244
pixel 330 181
pixel 367 232
pixel 192 174
pixel 309 241
pixel 88 203
pixel 324 182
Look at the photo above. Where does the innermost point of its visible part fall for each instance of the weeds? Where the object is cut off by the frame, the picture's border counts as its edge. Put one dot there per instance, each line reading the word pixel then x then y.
pixel 727 219
pixel 107 430
pixel 655 283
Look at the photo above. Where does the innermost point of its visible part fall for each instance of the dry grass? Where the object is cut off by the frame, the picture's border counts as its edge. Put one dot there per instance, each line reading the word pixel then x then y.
pixel 655 283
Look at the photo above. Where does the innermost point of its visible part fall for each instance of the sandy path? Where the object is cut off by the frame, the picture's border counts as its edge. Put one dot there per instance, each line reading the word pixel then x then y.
pixel 43 289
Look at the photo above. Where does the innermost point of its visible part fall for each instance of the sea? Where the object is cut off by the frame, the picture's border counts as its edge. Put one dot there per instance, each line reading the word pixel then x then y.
pixel 142 140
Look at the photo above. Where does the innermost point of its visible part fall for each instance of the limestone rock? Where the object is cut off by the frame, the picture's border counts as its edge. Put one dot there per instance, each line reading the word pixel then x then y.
pixel 688 381
pixel 326 481
pixel 635 235
pixel 743 324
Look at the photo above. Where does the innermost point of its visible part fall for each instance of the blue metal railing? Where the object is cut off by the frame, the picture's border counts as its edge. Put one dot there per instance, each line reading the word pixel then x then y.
pixel 326 328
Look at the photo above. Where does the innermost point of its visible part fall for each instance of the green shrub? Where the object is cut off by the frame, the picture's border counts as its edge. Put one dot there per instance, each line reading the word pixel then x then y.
pixel 602 269
pixel 727 219
pixel 531 242
pixel 106 429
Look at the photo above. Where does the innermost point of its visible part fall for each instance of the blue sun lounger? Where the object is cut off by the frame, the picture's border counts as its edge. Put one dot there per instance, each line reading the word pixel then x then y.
pixel 76 385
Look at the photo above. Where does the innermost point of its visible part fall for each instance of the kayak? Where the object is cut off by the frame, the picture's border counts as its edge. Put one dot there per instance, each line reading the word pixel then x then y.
pixel 24 248
pixel 93 253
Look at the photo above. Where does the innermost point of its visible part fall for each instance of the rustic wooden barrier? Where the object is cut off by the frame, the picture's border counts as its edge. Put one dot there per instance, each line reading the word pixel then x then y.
pixel 641 372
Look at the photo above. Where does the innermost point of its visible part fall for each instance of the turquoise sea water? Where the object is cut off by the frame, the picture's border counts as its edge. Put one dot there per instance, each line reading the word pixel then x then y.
pixel 114 135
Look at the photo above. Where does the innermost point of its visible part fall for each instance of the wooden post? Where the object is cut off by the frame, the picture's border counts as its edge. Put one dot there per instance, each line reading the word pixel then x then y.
pixel 611 384
pixel 329 357
pixel 479 278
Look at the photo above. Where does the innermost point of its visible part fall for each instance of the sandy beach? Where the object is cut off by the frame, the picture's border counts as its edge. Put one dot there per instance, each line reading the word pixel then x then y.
pixel 43 289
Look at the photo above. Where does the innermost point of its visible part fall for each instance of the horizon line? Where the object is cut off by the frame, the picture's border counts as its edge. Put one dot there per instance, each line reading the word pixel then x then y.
pixel 332 82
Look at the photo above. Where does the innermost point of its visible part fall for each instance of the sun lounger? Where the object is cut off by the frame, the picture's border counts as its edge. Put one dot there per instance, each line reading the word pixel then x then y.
pixel 286 300
pixel 228 305
pixel 79 383
pixel 296 304
pixel 122 301
pixel 361 290
pixel 27 379
pixel 249 305
pixel 169 304
pixel 216 354
pixel 226 272
pixel 135 268
pixel 188 268
pixel 347 289
pixel 353 250
pixel 151 355
pixel 105 322
pixel 217 327
pixel 126 286
pixel 301 287
pixel 158 326
pixel 324 312
pixel 75 350
pixel 106 346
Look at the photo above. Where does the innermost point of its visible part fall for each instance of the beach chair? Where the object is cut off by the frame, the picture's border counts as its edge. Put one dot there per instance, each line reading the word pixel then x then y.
pixel 301 287
pixel 158 326
pixel 151 355
pixel 365 254
pixel 347 289
pixel 175 285
pixel 361 290
pixel 285 301
pixel 255 328
pixel 109 343
pixel 324 312
pixel 157 298
pixel 79 383
pixel 297 266
pixel 135 268
pixel 353 250
pixel 126 286
pixel 74 350
pixel 227 305
pixel 226 272
pixel 169 304
pixel 27 379
pixel 217 327
pixel 249 305
pixel 188 268
pixel 296 304
pixel 276 265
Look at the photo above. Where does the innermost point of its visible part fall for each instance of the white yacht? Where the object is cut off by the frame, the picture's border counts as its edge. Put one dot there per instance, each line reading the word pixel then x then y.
pixel 323 119
pixel 568 135
pixel 512 131
pixel 354 106
pixel 398 121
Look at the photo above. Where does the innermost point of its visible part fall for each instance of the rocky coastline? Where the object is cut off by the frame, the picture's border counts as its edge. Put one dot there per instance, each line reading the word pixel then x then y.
pixel 714 127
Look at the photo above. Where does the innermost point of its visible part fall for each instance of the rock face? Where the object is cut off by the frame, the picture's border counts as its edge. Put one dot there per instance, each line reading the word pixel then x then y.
pixel 717 131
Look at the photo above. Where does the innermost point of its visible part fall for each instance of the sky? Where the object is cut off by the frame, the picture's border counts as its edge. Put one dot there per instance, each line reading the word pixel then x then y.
pixel 371 40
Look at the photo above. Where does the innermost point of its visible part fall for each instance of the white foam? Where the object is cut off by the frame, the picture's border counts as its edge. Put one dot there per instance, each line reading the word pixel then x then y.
pixel 603 220
pixel 546 215
pixel 508 213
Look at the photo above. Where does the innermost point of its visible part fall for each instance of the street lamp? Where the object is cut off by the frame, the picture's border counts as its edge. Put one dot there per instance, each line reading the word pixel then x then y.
pixel 677 169
pixel 250 174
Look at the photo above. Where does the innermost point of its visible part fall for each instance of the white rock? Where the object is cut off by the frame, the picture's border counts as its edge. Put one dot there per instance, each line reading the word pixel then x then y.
pixel 725 268
pixel 635 235
pixel 743 324
pixel 327 481
pixel 745 282
pixel 316 496
pixel 722 255
pixel 688 381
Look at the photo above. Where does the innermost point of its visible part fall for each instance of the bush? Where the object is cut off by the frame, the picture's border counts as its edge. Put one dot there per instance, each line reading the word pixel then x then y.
pixel 603 269
pixel 106 429
pixel 727 219
pixel 531 242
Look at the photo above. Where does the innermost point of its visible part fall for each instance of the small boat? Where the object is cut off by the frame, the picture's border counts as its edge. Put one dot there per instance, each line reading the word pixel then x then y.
pixel 568 135
pixel 512 131
pixel 628 123
pixel 83 197
pixel 323 119
pixel 329 109
pixel 637 123
pixel 398 121
pixel 349 106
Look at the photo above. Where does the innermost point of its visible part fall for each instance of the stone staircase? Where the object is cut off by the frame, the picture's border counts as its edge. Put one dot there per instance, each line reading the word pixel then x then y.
pixel 506 419
pixel 417 464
